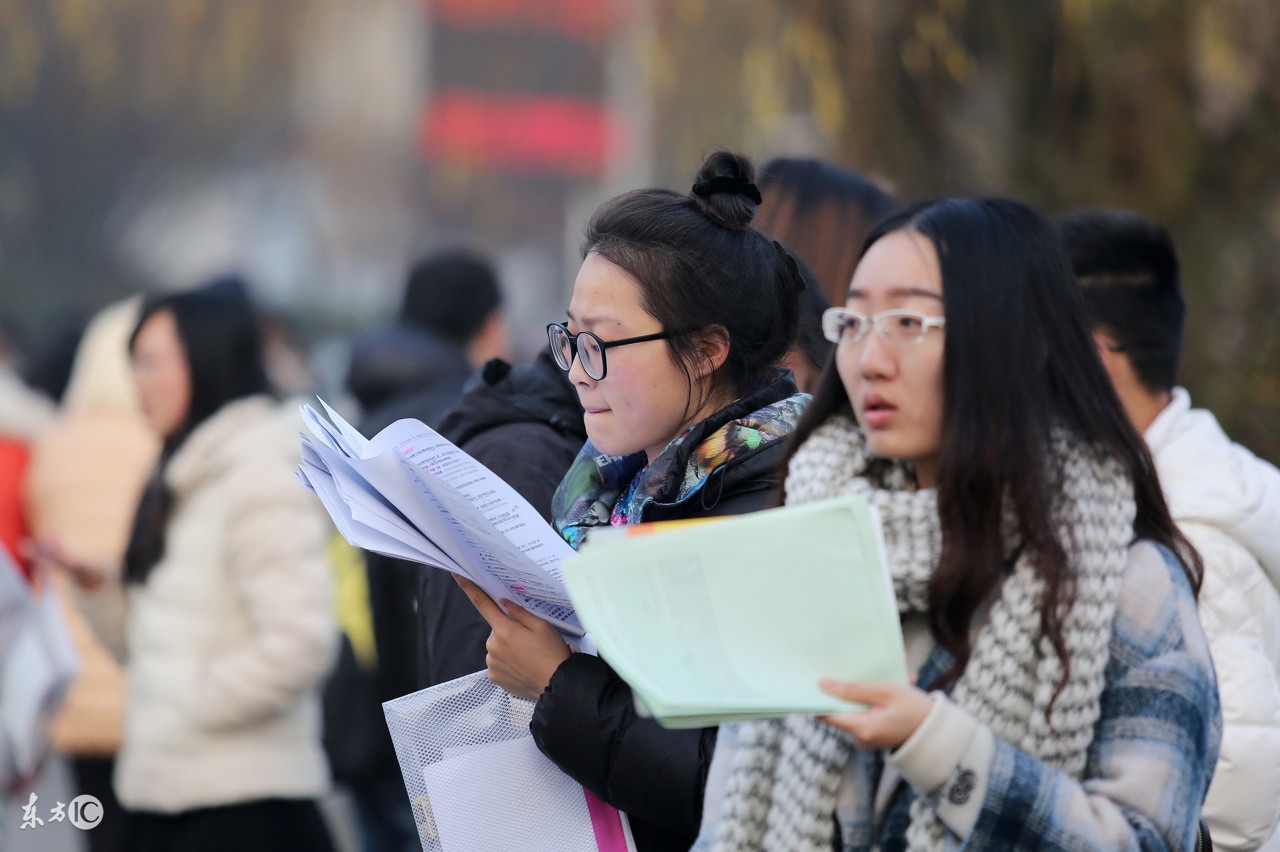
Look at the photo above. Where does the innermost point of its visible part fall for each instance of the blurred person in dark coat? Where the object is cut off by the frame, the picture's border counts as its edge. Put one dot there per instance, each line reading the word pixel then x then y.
pixel 450 322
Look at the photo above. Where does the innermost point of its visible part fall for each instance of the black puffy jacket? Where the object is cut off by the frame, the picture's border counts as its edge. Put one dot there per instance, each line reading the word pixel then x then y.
pixel 525 424
pixel 586 721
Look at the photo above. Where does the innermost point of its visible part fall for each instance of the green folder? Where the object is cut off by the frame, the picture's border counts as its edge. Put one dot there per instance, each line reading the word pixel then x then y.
pixel 739 618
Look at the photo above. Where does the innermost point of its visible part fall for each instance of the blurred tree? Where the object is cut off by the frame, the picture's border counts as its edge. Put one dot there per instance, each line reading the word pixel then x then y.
pixel 95 94
pixel 1170 107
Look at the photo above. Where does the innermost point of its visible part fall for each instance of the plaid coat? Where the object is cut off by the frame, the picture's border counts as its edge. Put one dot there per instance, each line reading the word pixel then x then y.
pixel 1152 756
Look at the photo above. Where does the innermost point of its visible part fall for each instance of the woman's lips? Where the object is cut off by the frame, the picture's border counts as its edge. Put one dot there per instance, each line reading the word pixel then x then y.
pixel 877 413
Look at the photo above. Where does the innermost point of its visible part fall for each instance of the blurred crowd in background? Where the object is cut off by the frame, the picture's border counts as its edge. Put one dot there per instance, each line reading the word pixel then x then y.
pixel 321 147
pixel 391 193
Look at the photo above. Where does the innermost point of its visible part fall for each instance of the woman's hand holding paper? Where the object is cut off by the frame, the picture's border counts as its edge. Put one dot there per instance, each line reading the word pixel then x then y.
pixel 893 712
pixel 523 650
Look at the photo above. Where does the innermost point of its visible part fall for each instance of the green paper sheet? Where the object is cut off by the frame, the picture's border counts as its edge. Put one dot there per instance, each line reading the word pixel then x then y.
pixel 739 618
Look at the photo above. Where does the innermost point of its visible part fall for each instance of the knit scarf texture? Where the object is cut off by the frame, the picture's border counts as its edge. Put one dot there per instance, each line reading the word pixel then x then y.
pixel 601 489
pixel 781 789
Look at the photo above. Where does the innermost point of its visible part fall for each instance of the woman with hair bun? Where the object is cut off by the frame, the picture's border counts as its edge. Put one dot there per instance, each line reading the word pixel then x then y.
pixel 679 316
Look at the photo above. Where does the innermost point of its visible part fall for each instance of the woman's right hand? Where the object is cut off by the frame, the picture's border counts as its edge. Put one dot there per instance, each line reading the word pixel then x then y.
pixel 523 650
pixel 893 712
pixel 49 555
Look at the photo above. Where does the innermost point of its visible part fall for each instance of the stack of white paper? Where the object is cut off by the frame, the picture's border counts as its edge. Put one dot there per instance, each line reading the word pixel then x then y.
pixel 409 493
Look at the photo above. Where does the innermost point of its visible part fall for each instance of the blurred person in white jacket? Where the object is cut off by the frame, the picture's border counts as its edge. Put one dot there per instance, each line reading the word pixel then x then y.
pixel 1225 500
pixel 230 629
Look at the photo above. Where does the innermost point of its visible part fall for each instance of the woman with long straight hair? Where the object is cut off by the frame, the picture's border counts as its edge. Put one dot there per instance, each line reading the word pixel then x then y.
pixel 1064 696
pixel 680 315
pixel 230 628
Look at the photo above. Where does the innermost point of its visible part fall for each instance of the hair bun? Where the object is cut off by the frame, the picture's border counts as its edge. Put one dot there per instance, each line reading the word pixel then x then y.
pixel 725 191
pixel 707 188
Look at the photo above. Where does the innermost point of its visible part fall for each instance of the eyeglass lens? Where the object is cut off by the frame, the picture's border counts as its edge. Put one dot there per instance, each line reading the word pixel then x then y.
pixel 591 354
pixel 901 329
pixel 587 346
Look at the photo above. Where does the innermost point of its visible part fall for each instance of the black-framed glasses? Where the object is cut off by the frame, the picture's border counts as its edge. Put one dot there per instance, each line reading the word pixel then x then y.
pixel 588 348
pixel 896 327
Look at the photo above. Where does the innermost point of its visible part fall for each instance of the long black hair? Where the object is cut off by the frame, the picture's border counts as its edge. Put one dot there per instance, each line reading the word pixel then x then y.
pixel 1018 361
pixel 223 345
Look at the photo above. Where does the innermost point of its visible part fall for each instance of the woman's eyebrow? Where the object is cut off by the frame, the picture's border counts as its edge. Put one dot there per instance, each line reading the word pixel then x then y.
pixel 898 293
pixel 587 320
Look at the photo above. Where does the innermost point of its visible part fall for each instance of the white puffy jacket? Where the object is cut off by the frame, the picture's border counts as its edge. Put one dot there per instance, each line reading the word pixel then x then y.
pixel 233 631
pixel 1227 502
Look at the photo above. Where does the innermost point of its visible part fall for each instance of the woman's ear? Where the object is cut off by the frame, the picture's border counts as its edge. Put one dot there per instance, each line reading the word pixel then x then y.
pixel 712 344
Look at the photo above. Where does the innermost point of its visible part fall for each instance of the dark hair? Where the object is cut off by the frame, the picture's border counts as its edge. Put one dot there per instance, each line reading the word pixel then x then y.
pixel 223 344
pixel 1019 360
pixel 1128 270
pixel 821 212
pixel 700 264
pixel 810 341
pixel 451 293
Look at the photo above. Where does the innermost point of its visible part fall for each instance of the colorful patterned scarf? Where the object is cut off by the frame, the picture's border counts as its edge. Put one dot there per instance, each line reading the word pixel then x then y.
pixel 601 489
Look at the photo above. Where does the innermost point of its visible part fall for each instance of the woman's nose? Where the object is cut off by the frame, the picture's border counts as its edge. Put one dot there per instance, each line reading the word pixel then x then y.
pixel 577 373
pixel 876 358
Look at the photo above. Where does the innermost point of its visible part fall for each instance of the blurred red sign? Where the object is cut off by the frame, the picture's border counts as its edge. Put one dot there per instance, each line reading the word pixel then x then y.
pixel 539 133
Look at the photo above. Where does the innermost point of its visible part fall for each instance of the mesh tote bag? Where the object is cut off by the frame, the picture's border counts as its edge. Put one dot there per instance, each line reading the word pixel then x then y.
pixel 477 781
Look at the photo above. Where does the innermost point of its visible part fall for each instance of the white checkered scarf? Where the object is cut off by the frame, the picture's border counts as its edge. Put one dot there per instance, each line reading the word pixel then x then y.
pixel 781 790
